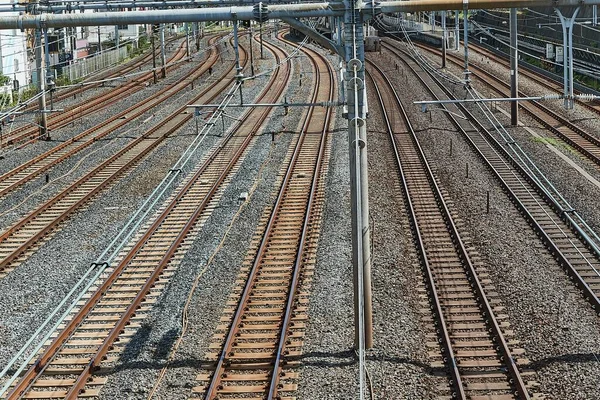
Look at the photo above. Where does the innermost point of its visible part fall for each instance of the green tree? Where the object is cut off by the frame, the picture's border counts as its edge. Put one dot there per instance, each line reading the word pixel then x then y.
pixel 4 80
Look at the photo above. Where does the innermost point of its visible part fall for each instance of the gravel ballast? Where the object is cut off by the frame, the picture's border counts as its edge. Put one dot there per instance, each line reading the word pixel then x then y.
pixel 556 327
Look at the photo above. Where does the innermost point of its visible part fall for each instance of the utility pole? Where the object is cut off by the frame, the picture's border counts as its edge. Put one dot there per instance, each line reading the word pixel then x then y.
pixel 514 69
pixel 456 30
pixel 443 39
pixel 49 75
pixel 260 26
pixel 163 61
pixel 251 53
pixel 467 73
pixel 117 37
pixel 99 41
pixel 43 121
pixel 236 45
pixel 567 27
pixel 359 183
pixel 187 41
pixel 154 78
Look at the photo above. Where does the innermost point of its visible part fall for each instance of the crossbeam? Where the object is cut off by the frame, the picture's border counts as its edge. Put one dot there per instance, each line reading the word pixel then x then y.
pixel 284 104
pixel 581 97
pixel 270 11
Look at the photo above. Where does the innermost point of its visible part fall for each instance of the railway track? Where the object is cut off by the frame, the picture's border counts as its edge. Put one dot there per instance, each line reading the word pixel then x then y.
pixel 536 77
pixel 586 143
pixel 252 353
pixel 118 71
pixel 95 334
pixel 33 168
pixel 564 232
pixel 27 134
pixel 24 237
pixel 471 329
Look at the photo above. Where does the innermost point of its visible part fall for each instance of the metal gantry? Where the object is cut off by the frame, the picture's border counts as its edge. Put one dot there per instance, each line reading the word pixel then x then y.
pixel 347 18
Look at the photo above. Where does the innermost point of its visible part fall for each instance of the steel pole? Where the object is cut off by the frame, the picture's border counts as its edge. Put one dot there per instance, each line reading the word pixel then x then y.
pixel 47 56
pixel 251 53
pixel 262 56
pixel 117 37
pixel 187 40
pixel 456 30
pixel 594 15
pixel 43 121
pixel 236 44
pixel 359 185
pixel 571 22
pixel 565 61
pixel 163 57
pixel 466 44
pixel 443 39
pixel 99 41
pixel 514 68
pixel 154 77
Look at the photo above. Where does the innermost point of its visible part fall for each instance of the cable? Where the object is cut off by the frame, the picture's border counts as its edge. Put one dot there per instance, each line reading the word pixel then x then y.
pixel 185 311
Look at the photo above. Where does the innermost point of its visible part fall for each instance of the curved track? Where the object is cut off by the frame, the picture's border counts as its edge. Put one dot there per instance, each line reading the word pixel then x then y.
pixel 27 134
pixel 117 71
pixel 29 170
pixel 18 241
pixel 92 337
pixel 470 330
pixel 266 326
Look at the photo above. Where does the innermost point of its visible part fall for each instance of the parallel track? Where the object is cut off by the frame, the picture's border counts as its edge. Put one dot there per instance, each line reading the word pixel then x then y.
pixel 469 327
pixel 28 134
pixel 267 313
pixel 91 338
pixel 115 72
pixel 561 229
pixel 540 79
pixel 29 170
pixel 586 143
pixel 18 241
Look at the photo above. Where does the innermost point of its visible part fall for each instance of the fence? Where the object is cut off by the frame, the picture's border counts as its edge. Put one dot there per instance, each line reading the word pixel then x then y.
pixel 90 65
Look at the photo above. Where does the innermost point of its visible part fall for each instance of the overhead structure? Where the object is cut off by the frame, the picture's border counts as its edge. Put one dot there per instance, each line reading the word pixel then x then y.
pixel 271 11
pixel 514 68
pixel 353 14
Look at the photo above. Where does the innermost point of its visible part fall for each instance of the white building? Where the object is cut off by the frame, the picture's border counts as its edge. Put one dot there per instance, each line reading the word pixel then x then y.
pixel 13 53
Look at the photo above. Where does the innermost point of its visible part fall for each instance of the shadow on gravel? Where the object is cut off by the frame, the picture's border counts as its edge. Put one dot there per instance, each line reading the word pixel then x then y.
pixel 565 359
pixel 349 357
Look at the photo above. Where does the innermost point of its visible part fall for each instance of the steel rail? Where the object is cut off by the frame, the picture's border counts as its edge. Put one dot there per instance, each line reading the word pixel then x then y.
pixel 488 311
pixel 107 344
pixel 64 214
pixel 217 375
pixel 561 257
pixel 586 143
pixel 537 77
pixel 24 173
pixel 115 332
pixel 52 350
pixel 93 105
pixel 275 213
pixel 542 184
pixel 117 244
pixel 113 73
pixel 313 190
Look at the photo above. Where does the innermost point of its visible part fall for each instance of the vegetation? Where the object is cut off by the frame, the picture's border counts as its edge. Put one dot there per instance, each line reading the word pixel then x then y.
pixel 554 142
pixel 4 80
